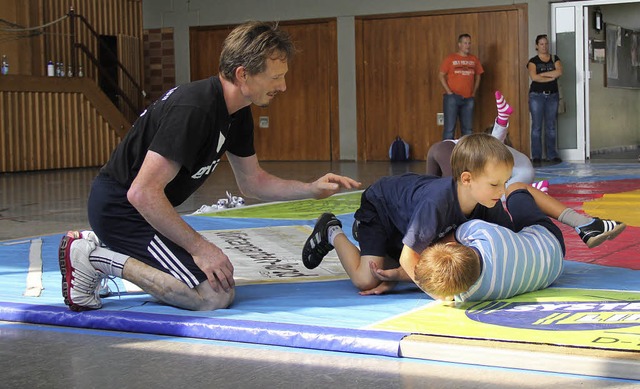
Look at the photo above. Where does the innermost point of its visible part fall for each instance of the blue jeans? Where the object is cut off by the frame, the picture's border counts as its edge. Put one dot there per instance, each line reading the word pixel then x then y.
pixel 455 106
pixel 544 109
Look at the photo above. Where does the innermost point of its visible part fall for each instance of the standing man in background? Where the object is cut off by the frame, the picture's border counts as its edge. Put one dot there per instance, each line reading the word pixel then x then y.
pixel 460 76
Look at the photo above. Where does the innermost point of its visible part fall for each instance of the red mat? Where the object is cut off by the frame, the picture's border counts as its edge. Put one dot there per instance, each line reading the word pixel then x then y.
pixel 620 252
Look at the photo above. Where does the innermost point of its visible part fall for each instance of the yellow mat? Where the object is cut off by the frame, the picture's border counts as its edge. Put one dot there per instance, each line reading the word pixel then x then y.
pixel 617 206
pixel 608 320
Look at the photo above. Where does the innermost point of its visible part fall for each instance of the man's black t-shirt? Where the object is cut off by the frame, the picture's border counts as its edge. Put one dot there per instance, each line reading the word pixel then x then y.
pixel 190 125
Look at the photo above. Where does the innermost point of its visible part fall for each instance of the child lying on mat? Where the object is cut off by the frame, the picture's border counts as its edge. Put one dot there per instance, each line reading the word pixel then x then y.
pixel 400 216
pixel 492 262
pixel 439 154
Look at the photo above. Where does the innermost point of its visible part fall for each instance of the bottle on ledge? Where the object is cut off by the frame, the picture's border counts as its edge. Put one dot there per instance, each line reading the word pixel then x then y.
pixel 51 69
pixel 5 65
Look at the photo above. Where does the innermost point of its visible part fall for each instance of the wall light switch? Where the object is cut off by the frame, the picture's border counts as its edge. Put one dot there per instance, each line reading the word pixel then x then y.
pixel 264 122
pixel 440 119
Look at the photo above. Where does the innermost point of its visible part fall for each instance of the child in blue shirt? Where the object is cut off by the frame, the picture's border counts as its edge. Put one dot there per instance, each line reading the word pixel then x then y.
pixel 492 262
pixel 400 216
pixel 406 213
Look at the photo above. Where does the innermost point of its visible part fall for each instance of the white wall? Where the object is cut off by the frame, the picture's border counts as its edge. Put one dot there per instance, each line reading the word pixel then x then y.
pixel 181 14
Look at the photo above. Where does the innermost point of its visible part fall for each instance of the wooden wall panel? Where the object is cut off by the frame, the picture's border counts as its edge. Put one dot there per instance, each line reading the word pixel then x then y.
pixel 303 121
pixel 52 124
pixel 17 45
pixel 48 137
pixel 118 18
pixel 398 59
pixel 505 70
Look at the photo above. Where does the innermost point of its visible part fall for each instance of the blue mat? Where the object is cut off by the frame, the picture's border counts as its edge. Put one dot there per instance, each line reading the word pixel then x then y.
pixel 567 172
pixel 325 315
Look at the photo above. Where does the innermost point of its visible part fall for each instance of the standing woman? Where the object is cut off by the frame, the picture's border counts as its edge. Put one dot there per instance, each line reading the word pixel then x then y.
pixel 544 70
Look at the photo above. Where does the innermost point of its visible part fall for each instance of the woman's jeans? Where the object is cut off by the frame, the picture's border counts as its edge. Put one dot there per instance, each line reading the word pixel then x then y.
pixel 544 109
pixel 455 106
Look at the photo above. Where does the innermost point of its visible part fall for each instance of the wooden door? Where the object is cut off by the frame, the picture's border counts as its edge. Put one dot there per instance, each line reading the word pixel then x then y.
pixel 303 121
pixel 398 59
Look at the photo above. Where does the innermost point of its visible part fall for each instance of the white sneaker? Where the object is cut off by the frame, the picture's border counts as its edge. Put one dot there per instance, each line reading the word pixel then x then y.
pixel 205 209
pixel 80 281
pixel 103 289
pixel 90 235
pixel 86 234
pixel 236 201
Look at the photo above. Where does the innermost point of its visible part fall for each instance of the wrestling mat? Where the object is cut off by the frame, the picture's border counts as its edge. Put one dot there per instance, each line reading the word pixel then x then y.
pixel 588 322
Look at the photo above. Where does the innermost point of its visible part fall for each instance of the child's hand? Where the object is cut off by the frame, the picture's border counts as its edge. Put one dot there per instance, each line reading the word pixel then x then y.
pixel 397 274
pixel 383 288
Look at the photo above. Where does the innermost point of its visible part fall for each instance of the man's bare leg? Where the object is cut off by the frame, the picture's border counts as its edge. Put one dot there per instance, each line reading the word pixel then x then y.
pixel 172 291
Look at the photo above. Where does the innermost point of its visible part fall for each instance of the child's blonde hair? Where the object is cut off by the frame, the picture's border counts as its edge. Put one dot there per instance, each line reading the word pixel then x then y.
pixel 447 269
pixel 472 152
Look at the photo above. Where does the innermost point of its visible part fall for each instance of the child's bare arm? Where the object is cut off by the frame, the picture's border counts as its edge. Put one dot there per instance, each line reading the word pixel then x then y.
pixel 395 274
pixel 408 261
pixel 390 277
pixel 382 288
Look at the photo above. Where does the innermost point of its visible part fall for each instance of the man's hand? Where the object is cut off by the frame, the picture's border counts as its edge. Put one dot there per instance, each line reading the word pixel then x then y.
pixel 216 266
pixel 330 184
pixel 255 182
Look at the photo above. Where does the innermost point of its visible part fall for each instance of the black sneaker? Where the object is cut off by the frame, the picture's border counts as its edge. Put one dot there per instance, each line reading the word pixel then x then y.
pixel 599 230
pixel 317 245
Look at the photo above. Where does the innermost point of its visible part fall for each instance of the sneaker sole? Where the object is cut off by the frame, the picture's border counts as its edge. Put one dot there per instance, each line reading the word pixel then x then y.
pixel 305 258
pixel 598 240
pixel 307 243
pixel 64 256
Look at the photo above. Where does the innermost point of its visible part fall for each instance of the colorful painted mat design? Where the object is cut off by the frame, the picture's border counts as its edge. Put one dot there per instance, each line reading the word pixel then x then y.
pixel 589 306
pixel 565 317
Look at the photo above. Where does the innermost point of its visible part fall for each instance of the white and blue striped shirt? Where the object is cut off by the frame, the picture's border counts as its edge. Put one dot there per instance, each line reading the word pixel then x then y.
pixel 512 263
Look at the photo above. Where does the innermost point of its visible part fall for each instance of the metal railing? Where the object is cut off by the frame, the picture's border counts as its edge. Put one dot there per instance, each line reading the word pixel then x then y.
pixel 136 106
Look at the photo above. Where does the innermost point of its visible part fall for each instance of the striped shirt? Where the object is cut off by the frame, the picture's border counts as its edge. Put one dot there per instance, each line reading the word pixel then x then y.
pixel 512 263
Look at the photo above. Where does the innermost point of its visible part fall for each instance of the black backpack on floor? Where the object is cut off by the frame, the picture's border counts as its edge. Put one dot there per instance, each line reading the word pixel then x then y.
pixel 399 150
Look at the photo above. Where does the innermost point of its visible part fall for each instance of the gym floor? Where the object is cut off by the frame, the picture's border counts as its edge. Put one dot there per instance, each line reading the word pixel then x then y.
pixel 34 356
